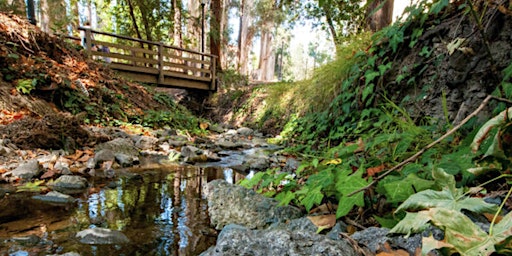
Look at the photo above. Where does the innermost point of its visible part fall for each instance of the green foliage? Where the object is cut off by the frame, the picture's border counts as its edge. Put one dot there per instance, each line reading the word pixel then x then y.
pixel 443 209
pixel 35 186
pixel 25 86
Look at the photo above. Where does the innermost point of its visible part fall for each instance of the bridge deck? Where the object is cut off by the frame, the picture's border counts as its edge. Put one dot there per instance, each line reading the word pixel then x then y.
pixel 152 62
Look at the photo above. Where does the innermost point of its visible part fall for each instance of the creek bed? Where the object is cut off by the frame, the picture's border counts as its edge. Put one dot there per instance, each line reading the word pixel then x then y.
pixel 162 211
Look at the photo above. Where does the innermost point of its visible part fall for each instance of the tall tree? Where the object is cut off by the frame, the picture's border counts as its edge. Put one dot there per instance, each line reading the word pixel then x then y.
pixel 246 34
pixel 194 24
pixel 216 32
pixel 379 14
pixel 177 32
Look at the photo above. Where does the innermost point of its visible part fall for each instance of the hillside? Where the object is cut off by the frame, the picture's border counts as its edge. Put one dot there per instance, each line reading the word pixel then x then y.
pixel 48 88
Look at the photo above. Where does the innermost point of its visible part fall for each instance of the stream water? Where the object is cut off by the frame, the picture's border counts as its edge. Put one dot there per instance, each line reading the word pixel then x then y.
pixel 163 211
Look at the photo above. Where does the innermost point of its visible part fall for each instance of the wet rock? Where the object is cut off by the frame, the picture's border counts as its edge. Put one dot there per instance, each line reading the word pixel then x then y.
pixel 55 197
pixel 69 184
pixel 374 239
pixel 6 151
pixel 102 236
pixel 62 166
pixel 291 165
pixel 239 240
pixel 120 145
pixel 190 151
pixel 226 144
pixel 104 155
pixel 30 240
pixel 66 254
pixel 244 131
pixel 145 142
pixel 25 171
pixel 125 160
pixel 228 203
pixel 216 128
pixel 258 163
pixel 177 140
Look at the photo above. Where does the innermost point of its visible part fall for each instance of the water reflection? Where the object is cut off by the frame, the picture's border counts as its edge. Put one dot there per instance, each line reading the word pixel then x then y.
pixel 162 211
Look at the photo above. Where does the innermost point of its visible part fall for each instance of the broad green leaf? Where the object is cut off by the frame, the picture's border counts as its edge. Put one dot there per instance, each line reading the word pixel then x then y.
pixel 321 179
pixel 444 180
pixel 369 75
pixel 347 184
pixel 445 199
pixel 34 186
pixel 465 236
pixel 313 197
pixel 285 198
pixel 495 149
pixel 400 190
pixel 413 222
pixel 429 244
pixel 503 230
pixel 367 91
pixel 386 222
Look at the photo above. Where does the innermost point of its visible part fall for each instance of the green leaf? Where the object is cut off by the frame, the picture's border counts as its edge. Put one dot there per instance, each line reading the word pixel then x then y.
pixel 35 186
pixel 413 222
pixel 321 179
pixel 312 197
pixel 445 199
pixel 465 236
pixel 400 190
pixel 367 91
pixel 444 180
pixel 369 75
pixel 347 184
pixel 386 222
pixel 285 198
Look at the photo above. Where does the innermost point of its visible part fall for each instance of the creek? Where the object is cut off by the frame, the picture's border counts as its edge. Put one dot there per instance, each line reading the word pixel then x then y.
pixel 162 211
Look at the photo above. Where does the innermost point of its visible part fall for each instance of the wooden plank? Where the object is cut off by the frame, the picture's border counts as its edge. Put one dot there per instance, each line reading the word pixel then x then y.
pixel 125 67
pixel 124 47
pixel 185 67
pixel 125 57
pixel 144 78
pixel 173 56
pixel 185 76
pixel 185 84
pixel 160 64
pixel 213 85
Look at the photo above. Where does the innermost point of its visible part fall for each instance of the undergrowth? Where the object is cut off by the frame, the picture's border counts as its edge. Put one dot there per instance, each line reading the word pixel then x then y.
pixel 347 130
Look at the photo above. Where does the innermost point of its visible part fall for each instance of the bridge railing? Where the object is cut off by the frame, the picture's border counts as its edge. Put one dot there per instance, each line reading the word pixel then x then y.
pixel 151 58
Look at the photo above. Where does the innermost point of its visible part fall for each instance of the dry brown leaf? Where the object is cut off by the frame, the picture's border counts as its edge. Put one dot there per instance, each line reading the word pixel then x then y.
pixel 203 126
pixel 374 170
pixel 323 221
pixel 324 208
pixel 388 251
pixel 490 217
pixel 48 174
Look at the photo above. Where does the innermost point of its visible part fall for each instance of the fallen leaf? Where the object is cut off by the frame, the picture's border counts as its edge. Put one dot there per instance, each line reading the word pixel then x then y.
pixel 323 221
pixel 386 250
pixel 203 126
pixel 490 217
pixel 374 170
pixel 324 208
pixel 48 174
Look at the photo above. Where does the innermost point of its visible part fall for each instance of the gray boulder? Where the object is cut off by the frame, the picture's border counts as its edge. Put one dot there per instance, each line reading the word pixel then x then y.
pixel 25 171
pixel 55 197
pixel 120 145
pixel 69 184
pixel 145 142
pixel 244 131
pixel 228 203
pixel 102 236
pixel 239 240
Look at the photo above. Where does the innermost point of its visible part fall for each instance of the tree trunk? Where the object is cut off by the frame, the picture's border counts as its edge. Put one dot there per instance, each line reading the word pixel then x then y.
pixel 177 33
pixel 145 21
pixel 134 21
pixel 194 25
pixel 245 36
pixel 379 14
pixel 332 29
pixel 216 33
pixel 267 56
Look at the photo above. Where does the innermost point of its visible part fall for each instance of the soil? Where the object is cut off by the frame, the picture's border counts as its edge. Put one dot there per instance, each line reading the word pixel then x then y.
pixel 48 89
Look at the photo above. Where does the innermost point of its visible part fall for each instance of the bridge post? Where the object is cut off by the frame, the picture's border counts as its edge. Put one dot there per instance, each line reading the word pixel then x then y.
pixel 213 68
pixel 160 63
pixel 88 42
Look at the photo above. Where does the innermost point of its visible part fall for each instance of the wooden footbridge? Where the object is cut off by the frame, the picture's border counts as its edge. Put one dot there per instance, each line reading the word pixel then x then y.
pixel 152 62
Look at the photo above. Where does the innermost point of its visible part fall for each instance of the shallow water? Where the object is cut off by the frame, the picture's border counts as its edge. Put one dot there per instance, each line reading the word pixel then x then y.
pixel 163 211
